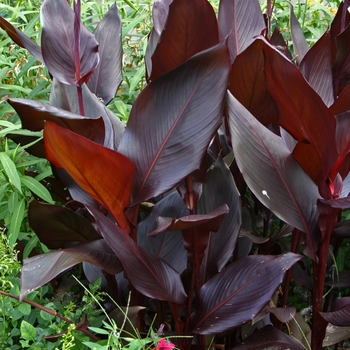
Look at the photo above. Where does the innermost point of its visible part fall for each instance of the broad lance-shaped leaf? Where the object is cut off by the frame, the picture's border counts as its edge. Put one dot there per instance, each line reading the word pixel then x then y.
pixel 21 39
pixel 107 76
pixel 56 225
pixel 149 274
pixel 167 245
pixel 300 45
pixel 66 97
pixel 174 118
pixel 41 269
pixel 180 40
pixel 242 20
pixel 269 337
pixel 316 67
pixel 248 83
pixel 239 292
pixel 271 172
pixel 219 188
pixel 302 113
pixel 104 174
pixel 340 312
pixel 57 44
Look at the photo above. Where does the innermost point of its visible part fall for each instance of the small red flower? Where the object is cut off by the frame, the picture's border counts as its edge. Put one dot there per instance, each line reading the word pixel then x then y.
pixel 164 345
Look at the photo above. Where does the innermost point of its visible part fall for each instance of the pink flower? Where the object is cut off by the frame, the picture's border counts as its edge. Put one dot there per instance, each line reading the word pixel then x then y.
pixel 164 345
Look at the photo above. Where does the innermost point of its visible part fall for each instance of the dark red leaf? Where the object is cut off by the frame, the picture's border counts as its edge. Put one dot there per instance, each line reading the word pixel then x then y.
pixel 218 189
pixel 175 121
pixel 107 76
pixel 316 67
pixel 41 269
pixel 166 245
pixel 271 172
pixel 57 44
pixel 103 173
pixel 342 103
pixel 211 221
pixel 340 313
pixel 56 225
pixel 181 39
pixel 302 113
pixel 248 83
pixel 239 292
pixel 300 45
pixel 340 203
pixel 269 337
pixel 66 97
pixel 21 39
pixel 277 40
pixel 242 20
pixel 148 273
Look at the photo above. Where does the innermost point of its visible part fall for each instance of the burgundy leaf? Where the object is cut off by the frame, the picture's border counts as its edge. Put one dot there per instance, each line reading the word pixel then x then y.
pixel 248 83
pixel 218 189
pixel 271 338
pixel 175 121
pixel 43 268
pixel 302 113
pixel 342 103
pixel 21 39
pixel 180 40
pixel 211 221
pixel 340 313
pixel 239 292
pixel 340 203
pixel 66 97
pixel 166 245
pixel 148 273
pixel 271 172
pixel 108 178
pixel 57 44
pixel 278 41
pixel 316 67
pixel 107 76
pixel 300 45
pixel 56 225
pixel 242 20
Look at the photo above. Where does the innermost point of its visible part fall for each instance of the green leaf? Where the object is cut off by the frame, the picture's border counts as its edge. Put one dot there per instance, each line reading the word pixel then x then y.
pixel 10 170
pixel 139 75
pixel 95 346
pixel 37 188
pixel 16 221
pixel 99 330
pixel 24 308
pixel 27 331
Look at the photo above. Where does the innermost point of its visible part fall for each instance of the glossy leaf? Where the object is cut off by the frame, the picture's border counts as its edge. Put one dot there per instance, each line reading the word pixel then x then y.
pixel 211 221
pixel 21 39
pixel 166 245
pixel 316 67
pixel 180 40
pixel 66 97
pixel 300 45
pixel 218 189
pixel 107 178
pixel 340 312
pixel 175 122
pixel 271 172
pixel 242 20
pixel 248 83
pixel 107 76
pixel 271 338
pixel 239 292
pixel 56 225
pixel 302 113
pixel 57 44
pixel 42 268
pixel 148 273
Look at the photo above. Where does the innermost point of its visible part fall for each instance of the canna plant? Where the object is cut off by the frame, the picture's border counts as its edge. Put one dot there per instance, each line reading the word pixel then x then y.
pixel 230 124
